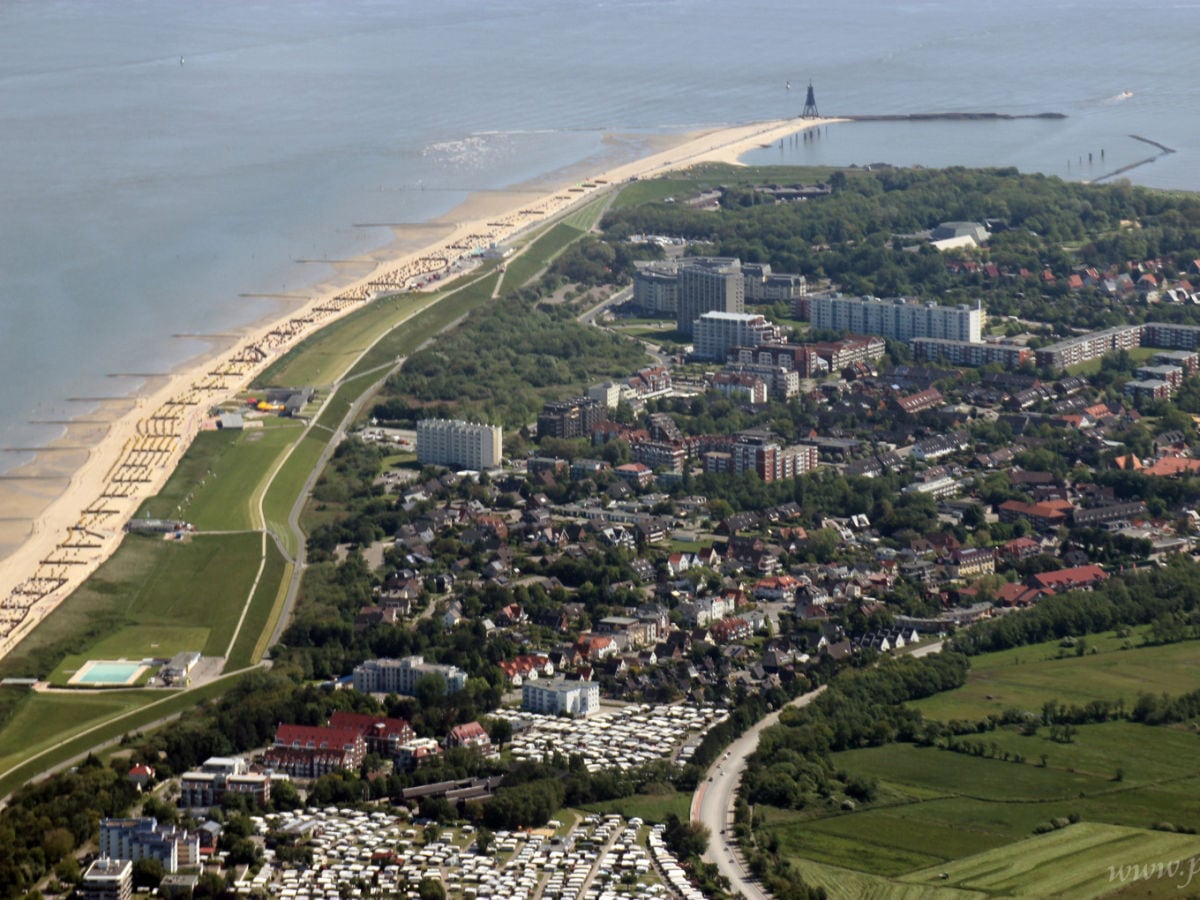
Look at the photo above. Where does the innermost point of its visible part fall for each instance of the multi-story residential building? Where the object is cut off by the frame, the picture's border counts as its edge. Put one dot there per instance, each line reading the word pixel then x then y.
pixel 1170 336
pixel 764 286
pixel 416 753
pixel 1172 375
pixel 607 393
pixel 798 358
pixel 1088 346
pixel 400 676
pixel 965 353
pixel 708 284
pixel 555 697
pixel 107 879
pixel 144 838
pixel 660 456
pixel 471 736
pixel 897 318
pixel 741 386
pixel 1188 360
pixel 714 334
pixel 219 776
pixel 761 453
pixel 782 383
pixel 459 444
pixel 656 287
pixel 1148 389
pixel 838 355
pixel 382 734
pixel 570 418
pixel 310 751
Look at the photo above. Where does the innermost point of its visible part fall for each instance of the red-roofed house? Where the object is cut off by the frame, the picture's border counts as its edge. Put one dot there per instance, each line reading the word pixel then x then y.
pixel 1172 465
pixel 732 629
pixel 383 735
pixel 1073 579
pixel 472 736
pixel 306 751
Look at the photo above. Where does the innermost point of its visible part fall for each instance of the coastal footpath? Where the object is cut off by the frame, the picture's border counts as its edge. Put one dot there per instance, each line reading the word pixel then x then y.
pixel 80 528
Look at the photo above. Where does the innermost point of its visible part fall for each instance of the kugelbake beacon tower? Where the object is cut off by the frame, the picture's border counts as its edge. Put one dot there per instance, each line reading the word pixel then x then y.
pixel 810 105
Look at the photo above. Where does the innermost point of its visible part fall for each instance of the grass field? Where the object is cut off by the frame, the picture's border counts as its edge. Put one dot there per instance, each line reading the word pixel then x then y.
pixel 168 586
pixel 214 485
pixel 42 720
pixel 1026 677
pixel 651 808
pixel 539 254
pixel 1083 860
pixel 938 809
pixel 64 721
pixel 250 645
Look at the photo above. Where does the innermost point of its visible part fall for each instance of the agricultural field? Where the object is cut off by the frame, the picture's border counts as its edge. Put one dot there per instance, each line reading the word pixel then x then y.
pixel 939 810
pixel 1026 677
pixel 1083 860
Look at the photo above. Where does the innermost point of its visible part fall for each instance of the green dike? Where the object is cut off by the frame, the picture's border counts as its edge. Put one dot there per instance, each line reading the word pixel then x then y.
pixel 151 591
pixel 42 719
pixel 288 485
pixel 215 482
pixel 1026 677
pixel 263 611
pixel 406 337
pixel 522 268
pixel 70 743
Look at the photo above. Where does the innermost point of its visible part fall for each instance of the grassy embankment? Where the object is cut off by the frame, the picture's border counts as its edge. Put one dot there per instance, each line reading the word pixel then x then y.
pixel 973 814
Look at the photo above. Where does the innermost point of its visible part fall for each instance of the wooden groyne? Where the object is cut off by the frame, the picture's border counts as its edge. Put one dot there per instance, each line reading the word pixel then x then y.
pixel 1163 147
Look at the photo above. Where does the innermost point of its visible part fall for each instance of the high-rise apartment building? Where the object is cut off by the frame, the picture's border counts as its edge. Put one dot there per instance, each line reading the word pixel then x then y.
pixel 459 444
pixel 898 318
pixel 708 284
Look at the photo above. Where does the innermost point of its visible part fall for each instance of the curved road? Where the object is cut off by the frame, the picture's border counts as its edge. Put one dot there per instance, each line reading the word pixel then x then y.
pixel 712 804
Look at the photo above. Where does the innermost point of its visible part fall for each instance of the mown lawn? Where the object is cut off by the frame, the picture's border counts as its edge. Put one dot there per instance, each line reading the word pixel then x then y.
pixel 215 485
pixel 651 808
pixel 520 269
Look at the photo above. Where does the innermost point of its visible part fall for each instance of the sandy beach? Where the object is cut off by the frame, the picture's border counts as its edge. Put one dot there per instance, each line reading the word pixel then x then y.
pixel 64 512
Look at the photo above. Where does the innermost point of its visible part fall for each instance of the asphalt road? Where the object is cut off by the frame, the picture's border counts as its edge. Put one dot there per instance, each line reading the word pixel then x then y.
pixel 712 804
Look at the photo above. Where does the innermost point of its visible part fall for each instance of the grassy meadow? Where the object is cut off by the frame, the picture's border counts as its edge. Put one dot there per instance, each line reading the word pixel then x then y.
pixel 1026 677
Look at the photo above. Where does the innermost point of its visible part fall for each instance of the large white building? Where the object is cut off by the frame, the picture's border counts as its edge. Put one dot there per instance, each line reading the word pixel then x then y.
pixel 459 444
pixel 400 676
pixel 708 284
pixel 574 698
pixel 716 333
pixel 897 318
pixel 144 838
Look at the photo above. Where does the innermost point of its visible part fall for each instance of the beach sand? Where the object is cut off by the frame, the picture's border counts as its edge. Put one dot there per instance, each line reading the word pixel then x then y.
pixel 64 512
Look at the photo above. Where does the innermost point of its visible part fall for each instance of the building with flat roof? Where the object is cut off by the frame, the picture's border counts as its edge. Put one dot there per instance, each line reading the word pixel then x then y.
pixel 714 334
pixel 656 287
pixel 459 444
pixel 708 284
pixel 107 879
pixel 898 318
pixel 400 676
pixel 570 418
pixel 144 838
pixel 555 697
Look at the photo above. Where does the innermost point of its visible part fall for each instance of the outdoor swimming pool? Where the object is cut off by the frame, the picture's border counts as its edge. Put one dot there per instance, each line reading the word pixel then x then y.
pixel 106 672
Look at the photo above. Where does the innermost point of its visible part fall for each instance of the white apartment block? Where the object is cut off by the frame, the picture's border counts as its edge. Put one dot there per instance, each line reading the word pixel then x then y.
pixel 458 444
pixel 400 676
pixel 716 333
pixel 575 698
pixel 897 318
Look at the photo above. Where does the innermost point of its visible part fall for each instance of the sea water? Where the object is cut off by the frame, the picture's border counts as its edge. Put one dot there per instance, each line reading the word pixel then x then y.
pixel 163 159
